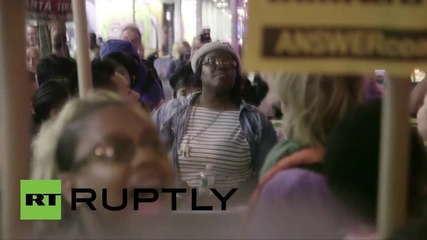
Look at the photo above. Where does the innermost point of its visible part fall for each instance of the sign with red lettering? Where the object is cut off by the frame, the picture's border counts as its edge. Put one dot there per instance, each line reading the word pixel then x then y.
pixel 50 10
pixel 336 36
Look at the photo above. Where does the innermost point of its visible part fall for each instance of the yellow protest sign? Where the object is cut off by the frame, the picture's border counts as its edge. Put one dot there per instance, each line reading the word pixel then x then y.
pixel 336 36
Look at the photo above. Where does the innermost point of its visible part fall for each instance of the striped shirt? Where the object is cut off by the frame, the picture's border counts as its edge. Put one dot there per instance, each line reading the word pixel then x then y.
pixel 215 138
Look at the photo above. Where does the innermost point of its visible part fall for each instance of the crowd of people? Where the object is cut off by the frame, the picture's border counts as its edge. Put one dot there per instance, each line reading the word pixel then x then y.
pixel 319 182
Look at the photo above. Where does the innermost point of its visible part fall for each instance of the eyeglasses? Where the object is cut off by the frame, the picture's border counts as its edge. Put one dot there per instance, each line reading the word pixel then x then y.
pixel 119 149
pixel 218 62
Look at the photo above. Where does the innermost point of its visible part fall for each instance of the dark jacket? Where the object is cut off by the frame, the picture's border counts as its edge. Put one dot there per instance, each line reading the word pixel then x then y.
pixel 153 94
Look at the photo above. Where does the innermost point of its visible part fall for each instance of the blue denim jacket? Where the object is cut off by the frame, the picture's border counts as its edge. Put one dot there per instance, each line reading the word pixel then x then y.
pixel 171 120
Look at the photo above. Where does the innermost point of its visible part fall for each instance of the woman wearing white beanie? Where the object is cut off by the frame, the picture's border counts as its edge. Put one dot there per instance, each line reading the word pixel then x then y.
pixel 215 127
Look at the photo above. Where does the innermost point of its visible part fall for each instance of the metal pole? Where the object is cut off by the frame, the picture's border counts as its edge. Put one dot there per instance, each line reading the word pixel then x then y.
pixel 177 22
pixel 392 200
pixel 15 130
pixel 234 24
pixel 82 41
pixel 199 17
pixel 133 12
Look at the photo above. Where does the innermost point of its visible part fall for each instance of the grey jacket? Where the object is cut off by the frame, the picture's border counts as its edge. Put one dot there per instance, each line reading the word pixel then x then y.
pixel 171 120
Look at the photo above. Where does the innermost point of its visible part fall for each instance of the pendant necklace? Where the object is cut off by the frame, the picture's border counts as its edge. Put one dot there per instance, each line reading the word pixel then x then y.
pixel 184 149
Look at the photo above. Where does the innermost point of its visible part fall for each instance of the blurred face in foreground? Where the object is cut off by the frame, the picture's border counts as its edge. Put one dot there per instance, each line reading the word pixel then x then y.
pixel 116 150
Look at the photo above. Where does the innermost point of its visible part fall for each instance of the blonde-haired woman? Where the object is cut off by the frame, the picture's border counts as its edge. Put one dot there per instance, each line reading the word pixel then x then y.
pixel 181 54
pixel 102 143
pixel 312 106
pixel 292 200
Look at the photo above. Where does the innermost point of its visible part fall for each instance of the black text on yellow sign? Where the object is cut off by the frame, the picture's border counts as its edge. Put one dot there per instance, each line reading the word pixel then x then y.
pixel 336 36
pixel 377 44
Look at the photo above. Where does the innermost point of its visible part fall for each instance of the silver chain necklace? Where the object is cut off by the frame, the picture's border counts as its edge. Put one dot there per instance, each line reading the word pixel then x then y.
pixel 184 149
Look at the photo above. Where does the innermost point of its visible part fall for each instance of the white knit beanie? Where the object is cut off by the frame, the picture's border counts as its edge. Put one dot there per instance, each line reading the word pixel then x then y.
pixel 209 47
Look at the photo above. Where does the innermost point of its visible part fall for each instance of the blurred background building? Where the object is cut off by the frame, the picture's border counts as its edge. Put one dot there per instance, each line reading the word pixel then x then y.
pixel 163 22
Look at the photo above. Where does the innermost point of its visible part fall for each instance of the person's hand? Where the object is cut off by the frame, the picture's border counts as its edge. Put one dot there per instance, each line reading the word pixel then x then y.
pixel 133 96
pixel 152 57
